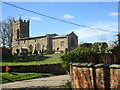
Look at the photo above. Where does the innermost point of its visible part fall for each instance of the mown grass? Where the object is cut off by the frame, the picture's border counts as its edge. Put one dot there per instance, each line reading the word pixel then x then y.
pixel 14 76
pixel 32 60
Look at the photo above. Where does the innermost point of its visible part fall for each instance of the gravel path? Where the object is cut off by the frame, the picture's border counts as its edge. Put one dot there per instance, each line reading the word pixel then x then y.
pixel 37 84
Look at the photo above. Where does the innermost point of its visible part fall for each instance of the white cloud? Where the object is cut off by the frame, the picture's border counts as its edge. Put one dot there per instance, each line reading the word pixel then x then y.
pixel 68 16
pixel 114 14
pixel 85 33
pixel 36 18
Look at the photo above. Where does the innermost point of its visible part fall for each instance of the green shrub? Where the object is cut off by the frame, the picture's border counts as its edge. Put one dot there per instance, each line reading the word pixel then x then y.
pixel 75 56
pixel 85 53
pixel 86 45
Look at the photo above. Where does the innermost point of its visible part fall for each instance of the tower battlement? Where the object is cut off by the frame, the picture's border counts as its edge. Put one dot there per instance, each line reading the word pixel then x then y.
pixel 20 20
pixel 20 28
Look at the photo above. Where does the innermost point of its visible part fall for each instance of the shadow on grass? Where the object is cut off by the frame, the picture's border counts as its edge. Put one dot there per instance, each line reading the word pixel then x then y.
pixel 7 80
pixel 26 58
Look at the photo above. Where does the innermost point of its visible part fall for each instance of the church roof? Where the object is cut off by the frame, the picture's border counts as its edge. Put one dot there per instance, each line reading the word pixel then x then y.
pixel 60 36
pixel 54 36
pixel 28 38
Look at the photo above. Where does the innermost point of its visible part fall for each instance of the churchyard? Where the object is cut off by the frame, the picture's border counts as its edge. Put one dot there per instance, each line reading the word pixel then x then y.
pixel 27 61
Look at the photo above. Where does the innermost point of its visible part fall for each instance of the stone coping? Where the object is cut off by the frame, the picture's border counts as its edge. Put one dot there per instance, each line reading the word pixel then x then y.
pixel 96 65
pixel 33 64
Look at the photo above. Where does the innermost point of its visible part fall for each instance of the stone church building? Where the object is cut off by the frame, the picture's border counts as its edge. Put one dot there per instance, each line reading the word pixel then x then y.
pixel 22 43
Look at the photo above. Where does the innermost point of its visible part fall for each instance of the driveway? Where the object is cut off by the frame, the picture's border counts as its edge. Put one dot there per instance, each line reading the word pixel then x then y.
pixel 37 84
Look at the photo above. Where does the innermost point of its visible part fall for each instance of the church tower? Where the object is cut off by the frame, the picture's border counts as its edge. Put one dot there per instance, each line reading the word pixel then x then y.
pixel 20 30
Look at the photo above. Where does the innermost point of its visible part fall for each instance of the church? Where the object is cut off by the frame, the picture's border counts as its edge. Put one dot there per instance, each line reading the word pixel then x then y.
pixel 49 43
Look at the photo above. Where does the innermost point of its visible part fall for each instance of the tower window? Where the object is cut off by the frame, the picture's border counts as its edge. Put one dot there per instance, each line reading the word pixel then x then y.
pixel 17 33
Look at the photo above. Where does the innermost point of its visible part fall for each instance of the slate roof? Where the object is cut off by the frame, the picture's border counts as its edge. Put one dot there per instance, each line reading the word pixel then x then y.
pixel 60 36
pixel 28 38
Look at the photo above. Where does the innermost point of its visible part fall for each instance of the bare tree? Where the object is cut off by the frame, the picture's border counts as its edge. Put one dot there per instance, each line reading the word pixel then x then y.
pixel 6 32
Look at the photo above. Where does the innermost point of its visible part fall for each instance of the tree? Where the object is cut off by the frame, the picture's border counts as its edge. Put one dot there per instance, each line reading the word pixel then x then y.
pixel 100 47
pixel 6 32
pixel 113 43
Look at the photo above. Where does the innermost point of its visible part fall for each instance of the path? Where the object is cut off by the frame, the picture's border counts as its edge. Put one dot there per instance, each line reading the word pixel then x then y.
pixel 48 82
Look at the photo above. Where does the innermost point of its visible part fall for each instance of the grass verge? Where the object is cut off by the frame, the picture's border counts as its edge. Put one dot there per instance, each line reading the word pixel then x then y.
pixel 32 60
pixel 14 76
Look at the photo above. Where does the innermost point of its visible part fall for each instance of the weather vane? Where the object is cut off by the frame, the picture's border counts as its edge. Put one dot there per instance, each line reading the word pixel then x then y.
pixel 20 15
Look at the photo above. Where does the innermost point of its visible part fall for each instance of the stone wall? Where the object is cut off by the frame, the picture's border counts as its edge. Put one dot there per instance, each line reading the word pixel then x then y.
pixel 99 76
pixel 46 68
pixel 27 42
pixel 5 52
pixel 57 44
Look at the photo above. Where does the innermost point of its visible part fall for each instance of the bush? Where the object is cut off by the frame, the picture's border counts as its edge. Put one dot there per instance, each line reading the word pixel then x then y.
pixel 77 55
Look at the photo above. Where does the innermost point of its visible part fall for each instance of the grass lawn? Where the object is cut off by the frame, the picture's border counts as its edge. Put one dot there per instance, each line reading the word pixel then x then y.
pixel 14 76
pixel 32 60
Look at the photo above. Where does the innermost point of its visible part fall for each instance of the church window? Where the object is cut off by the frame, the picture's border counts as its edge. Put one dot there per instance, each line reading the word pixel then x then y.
pixel 62 43
pixel 53 44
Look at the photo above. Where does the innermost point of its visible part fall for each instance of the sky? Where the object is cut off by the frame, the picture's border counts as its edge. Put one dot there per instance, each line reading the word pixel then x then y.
pixel 102 15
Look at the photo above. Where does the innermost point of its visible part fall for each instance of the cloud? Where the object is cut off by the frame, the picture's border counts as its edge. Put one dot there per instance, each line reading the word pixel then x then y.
pixel 85 33
pixel 114 14
pixel 88 34
pixel 68 16
pixel 36 18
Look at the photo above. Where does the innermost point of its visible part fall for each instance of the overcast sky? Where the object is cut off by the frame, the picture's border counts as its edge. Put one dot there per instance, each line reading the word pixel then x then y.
pixel 103 15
